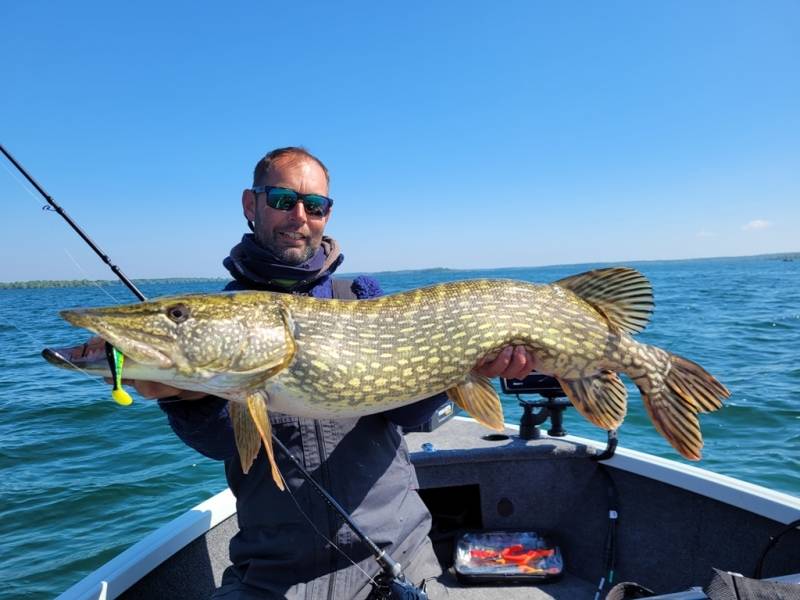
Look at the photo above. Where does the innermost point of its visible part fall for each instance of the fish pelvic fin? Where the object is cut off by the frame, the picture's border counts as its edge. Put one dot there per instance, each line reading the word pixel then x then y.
pixel 248 439
pixel 602 399
pixel 476 396
pixel 674 399
pixel 621 294
pixel 257 405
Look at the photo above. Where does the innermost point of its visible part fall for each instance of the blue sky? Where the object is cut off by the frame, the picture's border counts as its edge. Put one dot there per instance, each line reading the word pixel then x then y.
pixel 458 134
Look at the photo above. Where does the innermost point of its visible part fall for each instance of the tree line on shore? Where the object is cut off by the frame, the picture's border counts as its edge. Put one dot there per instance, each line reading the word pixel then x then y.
pixel 71 283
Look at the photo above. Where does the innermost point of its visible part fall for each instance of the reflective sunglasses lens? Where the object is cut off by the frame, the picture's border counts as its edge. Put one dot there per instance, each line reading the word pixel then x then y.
pixel 282 199
pixel 317 205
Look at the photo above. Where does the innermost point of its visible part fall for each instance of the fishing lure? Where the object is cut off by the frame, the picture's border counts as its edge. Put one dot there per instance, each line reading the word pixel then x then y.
pixel 115 361
pixel 390 583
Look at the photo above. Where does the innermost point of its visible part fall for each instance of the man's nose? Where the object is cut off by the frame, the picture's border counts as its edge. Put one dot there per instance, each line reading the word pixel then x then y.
pixel 298 213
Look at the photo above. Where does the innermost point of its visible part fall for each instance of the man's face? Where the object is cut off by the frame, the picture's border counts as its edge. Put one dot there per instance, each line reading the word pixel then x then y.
pixel 293 236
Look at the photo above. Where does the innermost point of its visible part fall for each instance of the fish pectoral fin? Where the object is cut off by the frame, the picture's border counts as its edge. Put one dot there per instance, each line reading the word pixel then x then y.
pixel 477 397
pixel 621 294
pixel 248 440
pixel 602 399
pixel 257 405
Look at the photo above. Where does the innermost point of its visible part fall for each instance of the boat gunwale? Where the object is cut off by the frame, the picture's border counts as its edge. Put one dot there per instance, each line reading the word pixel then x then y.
pixel 124 570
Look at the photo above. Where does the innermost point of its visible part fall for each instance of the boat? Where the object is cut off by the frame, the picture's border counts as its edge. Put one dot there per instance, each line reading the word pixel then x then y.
pixel 615 513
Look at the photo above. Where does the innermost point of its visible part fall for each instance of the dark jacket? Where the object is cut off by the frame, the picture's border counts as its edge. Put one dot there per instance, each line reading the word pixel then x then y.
pixel 363 462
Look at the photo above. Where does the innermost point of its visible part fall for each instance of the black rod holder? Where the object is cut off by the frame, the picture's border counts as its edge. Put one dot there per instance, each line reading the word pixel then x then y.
pixel 549 408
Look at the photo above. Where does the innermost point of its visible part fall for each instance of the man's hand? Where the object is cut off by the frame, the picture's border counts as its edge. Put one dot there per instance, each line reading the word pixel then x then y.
pixel 513 362
pixel 96 347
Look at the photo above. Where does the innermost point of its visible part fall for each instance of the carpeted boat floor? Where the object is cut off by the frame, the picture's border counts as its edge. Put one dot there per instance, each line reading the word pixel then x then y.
pixel 568 587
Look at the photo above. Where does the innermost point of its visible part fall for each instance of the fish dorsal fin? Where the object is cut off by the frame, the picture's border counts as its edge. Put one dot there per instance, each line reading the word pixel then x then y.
pixel 602 399
pixel 477 397
pixel 257 405
pixel 248 440
pixel 621 294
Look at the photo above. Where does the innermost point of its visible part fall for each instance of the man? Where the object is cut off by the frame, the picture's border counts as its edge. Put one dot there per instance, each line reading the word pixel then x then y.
pixel 285 544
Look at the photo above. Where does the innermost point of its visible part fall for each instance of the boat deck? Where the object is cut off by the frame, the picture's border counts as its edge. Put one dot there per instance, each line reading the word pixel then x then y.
pixel 568 587
pixel 675 522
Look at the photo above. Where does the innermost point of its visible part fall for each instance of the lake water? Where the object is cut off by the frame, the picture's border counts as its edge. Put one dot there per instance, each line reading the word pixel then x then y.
pixel 81 478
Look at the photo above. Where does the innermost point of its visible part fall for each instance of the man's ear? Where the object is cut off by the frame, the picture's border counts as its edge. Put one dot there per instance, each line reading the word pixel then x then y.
pixel 249 205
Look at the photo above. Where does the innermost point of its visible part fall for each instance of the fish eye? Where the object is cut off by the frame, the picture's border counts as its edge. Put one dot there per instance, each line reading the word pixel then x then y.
pixel 178 313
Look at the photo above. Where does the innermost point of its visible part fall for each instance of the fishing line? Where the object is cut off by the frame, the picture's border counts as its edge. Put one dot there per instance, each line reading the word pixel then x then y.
pixel 30 336
pixel 40 344
pixel 93 282
pixel 48 208
pixel 325 537
pixel 393 583
pixel 25 187
pixel 117 271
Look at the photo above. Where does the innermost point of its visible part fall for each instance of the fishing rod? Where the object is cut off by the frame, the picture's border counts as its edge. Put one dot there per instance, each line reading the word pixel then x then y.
pixel 55 207
pixel 391 583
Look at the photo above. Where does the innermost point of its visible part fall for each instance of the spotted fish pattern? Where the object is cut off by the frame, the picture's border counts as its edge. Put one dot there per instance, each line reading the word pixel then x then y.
pixel 337 358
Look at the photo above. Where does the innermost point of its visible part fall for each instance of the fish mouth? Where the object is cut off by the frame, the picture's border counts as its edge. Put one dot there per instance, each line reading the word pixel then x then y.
pixel 61 357
pixel 118 336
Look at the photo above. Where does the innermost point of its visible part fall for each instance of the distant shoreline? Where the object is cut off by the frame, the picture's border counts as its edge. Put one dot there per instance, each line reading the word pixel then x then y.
pixel 72 283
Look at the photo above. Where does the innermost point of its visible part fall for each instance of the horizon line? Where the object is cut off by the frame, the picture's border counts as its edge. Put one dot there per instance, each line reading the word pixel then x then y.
pixel 790 254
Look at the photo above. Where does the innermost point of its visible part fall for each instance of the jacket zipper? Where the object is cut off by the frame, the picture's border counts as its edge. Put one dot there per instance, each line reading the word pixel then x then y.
pixel 332 521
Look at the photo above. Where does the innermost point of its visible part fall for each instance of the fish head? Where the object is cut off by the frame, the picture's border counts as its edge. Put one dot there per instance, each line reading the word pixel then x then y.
pixel 240 338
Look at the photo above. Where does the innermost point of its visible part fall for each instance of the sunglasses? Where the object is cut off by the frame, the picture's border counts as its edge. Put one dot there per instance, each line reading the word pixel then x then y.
pixel 281 198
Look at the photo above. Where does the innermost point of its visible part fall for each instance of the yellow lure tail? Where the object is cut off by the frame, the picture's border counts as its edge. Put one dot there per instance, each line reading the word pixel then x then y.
pixel 115 362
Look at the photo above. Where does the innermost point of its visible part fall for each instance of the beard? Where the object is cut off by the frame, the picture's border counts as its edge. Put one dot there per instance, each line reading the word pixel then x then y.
pixel 289 256
pixel 293 256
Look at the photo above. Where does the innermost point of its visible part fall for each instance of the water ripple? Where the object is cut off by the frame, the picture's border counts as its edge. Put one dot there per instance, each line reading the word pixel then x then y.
pixel 83 478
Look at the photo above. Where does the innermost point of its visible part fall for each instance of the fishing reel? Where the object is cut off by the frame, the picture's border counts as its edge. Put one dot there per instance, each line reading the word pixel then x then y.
pixel 396 588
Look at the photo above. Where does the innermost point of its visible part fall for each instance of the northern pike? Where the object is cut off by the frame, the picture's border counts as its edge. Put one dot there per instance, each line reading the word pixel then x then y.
pixel 324 358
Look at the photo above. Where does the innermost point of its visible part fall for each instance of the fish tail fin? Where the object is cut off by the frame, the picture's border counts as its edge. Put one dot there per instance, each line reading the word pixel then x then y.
pixel 673 394
pixel 476 396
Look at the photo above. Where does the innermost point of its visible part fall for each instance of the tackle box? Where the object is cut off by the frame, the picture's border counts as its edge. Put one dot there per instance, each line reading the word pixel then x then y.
pixel 506 556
